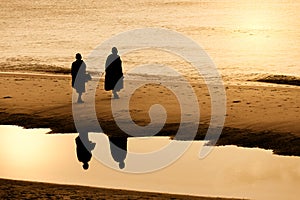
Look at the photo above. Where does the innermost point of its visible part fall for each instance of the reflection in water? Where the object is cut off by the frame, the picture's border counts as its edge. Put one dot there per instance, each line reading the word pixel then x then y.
pixel 118 149
pixel 84 149
pixel 229 171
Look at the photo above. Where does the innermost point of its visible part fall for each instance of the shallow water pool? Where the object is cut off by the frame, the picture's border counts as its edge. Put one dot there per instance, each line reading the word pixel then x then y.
pixel 228 171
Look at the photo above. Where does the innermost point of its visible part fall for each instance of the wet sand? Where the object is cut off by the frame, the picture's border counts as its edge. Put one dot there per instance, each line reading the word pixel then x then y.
pixel 281 79
pixel 257 116
pixel 13 189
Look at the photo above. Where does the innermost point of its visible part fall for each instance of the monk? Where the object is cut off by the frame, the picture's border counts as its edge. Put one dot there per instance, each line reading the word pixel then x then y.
pixel 113 73
pixel 78 71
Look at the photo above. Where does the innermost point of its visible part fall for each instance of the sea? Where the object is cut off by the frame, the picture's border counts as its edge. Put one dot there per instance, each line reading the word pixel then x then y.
pixel 244 39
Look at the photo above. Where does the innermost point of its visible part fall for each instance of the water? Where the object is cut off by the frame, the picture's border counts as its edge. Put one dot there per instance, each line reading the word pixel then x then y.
pixel 245 39
pixel 227 172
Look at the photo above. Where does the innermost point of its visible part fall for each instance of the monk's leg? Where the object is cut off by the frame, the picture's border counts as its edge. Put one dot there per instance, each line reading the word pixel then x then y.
pixel 79 100
pixel 116 96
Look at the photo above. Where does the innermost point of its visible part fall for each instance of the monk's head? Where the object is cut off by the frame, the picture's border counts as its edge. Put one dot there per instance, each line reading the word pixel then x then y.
pixel 85 166
pixel 78 56
pixel 121 165
pixel 114 50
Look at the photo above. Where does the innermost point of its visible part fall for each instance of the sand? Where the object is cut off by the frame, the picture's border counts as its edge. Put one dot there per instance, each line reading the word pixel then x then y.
pixel 13 189
pixel 257 116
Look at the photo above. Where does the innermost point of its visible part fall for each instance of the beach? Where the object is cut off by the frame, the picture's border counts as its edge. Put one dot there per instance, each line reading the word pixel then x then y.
pixel 252 46
pixel 257 116
pixel 13 189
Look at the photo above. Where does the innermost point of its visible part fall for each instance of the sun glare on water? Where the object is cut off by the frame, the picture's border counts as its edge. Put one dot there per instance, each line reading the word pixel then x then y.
pixel 23 143
pixel 256 15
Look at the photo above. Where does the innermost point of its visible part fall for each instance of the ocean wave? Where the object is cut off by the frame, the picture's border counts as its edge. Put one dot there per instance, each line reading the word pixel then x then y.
pixel 26 64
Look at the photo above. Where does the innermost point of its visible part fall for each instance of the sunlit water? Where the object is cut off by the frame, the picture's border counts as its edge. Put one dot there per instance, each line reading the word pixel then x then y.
pixel 227 172
pixel 245 38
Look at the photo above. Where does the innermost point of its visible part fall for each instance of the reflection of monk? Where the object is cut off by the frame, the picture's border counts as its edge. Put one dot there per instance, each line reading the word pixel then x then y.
pixel 118 149
pixel 83 149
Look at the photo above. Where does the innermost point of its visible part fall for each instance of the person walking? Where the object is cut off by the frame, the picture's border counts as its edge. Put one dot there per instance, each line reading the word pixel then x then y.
pixel 78 72
pixel 113 73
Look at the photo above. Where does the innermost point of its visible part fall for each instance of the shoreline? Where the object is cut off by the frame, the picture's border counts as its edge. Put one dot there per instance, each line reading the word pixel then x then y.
pixel 269 80
pixel 35 74
pixel 19 189
pixel 253 119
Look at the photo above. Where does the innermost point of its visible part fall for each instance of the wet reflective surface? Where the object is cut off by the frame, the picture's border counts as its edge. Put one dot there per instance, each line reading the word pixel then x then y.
pixel 227 172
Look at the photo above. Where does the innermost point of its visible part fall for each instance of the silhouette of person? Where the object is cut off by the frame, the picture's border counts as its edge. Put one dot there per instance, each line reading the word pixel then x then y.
pixel 113 73
pixel 78 71
pixel 83 149
pixel 118 149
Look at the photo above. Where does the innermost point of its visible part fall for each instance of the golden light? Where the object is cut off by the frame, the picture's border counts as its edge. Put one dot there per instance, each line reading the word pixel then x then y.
pixel 24 145
pixel 256 16
pixel 256 21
